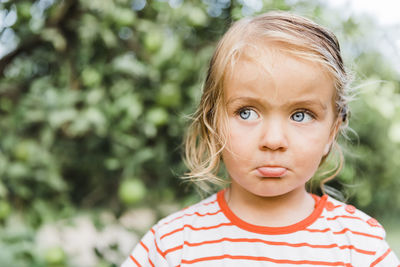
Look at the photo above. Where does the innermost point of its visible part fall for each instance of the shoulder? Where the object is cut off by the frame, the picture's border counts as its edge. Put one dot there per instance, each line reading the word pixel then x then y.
pixel 347 217
pixel 365 234
pixel 163 244
pixel 198 215
pixel 205 205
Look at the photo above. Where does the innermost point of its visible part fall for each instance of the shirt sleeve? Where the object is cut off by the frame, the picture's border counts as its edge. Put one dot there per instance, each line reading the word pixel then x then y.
pixel 385 257
pixel 146 253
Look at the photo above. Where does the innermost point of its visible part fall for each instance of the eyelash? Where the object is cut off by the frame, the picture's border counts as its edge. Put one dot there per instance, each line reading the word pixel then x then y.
pixel 308 112
pixel 238 110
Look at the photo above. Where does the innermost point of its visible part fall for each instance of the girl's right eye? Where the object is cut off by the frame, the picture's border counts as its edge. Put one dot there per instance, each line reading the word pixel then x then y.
pixel 248 114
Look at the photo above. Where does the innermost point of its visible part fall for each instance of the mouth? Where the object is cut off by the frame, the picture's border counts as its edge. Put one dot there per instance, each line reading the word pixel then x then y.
pixel 271 171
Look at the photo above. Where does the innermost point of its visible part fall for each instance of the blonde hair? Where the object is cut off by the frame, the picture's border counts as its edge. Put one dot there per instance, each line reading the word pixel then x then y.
pixel 292 34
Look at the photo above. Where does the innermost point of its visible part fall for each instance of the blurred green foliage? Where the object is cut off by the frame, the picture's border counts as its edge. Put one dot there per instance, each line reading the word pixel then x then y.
pixel 93 103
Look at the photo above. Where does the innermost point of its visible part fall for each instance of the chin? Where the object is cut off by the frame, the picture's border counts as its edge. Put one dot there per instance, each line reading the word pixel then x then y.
pixel 269 191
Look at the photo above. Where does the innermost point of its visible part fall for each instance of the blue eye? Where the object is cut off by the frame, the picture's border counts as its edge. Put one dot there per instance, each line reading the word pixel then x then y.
pixel 301 116
pixel 248 114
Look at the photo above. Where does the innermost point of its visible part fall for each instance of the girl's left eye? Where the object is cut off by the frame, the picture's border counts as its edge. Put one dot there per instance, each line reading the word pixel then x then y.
pixel 302 116
pixel 248 114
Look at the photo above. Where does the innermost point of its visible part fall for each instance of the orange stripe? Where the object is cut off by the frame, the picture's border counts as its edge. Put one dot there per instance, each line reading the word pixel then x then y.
pixel 362 251
pixel 135 261
pixel 154 233
pixel 333 207
pixel 344 216
pixel 196 228
pixel 349 217
pixel 147 249
pixel 318 230
pixel 253 258
pixel 191 214
pixel 151 263
pixel 159 250
pixel 381 257
pixel 209 203
pixel 144 246
pixel 204 204
pixel 273 243
pixel 173 249
pixel 357 233
pixel 344 231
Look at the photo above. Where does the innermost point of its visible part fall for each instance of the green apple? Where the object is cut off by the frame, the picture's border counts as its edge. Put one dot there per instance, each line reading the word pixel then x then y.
pixel 197 17
pixel 124 17
pixel 157 116
pixel 131 191
pixel 90 77
pixel 21 151
pixel 169 95
pixel 153 40
pixel 54 256
pixel 24 10
pixel 5 209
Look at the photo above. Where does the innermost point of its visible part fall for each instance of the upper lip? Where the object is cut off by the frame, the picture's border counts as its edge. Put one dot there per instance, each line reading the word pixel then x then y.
pixel 271 171
pixel 271 166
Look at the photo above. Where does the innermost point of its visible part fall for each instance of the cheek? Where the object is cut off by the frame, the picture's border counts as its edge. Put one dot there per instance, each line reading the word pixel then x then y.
pixel 241 138
pixel 240 145
pixel 316 135
pixel 310 162
pixel 311 146
pixel 235 149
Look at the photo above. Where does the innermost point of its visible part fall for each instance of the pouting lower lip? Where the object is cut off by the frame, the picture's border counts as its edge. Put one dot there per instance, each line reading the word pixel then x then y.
pixel 274 171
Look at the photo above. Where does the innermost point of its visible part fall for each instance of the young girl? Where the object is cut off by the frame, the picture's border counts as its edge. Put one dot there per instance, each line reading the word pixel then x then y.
pixel 274 101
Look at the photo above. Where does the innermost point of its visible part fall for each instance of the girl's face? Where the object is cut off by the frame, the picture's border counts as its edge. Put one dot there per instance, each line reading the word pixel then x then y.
pixel 281 122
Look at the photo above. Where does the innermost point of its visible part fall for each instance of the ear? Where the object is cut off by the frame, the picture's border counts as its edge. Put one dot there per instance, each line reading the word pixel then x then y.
pixel 332 136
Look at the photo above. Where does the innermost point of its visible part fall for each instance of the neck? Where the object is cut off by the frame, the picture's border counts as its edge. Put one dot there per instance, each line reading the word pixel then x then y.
pixel 275 211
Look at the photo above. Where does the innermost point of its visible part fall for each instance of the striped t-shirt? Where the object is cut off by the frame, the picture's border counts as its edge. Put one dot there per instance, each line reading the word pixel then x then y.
pixel 210 234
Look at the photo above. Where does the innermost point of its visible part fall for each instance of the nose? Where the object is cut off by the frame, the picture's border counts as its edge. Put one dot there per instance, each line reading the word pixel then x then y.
pixel 274 135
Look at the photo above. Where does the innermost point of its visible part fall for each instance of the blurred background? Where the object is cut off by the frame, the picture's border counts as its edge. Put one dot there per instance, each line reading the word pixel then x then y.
pixel 94 100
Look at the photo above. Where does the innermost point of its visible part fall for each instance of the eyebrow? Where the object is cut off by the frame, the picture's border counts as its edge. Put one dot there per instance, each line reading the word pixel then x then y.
pixel 305 102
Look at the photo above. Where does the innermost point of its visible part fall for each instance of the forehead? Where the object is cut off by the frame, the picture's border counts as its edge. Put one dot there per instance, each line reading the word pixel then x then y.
pixel 277 76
